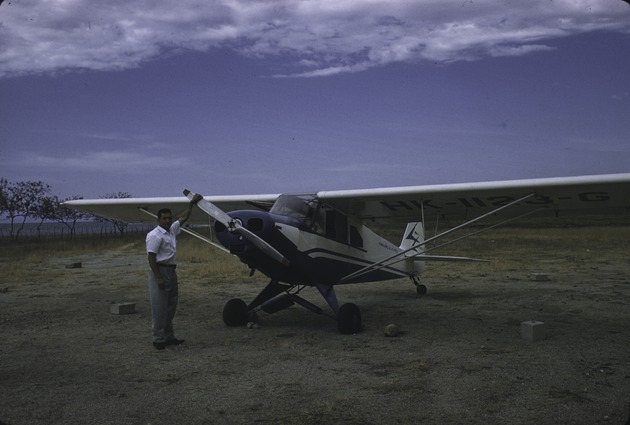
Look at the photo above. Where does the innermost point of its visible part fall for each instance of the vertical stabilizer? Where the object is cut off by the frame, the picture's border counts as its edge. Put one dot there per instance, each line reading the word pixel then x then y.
pixel 414 235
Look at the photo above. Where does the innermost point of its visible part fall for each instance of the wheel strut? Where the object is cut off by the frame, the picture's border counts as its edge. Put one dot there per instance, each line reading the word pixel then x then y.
pixel 420 288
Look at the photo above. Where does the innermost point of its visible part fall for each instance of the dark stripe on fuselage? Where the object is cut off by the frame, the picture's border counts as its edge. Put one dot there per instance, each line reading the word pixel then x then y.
pixel 343 264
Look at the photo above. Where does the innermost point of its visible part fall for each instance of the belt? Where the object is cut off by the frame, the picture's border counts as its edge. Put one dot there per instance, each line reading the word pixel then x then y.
pixel 172 266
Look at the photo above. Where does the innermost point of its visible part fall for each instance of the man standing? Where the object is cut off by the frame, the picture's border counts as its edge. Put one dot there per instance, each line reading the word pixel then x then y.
pixel 163 290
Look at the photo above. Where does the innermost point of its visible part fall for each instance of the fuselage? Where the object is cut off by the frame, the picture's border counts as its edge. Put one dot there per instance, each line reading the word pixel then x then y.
pixel 322 244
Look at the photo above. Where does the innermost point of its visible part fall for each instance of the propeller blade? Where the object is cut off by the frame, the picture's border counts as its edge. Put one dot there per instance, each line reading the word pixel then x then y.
pixel 211 209
pixel 235 226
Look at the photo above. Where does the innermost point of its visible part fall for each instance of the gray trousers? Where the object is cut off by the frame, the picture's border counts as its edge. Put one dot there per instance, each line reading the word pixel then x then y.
pixel 163 304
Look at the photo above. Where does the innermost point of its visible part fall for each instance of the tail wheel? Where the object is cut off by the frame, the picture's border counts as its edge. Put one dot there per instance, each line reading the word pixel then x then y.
pixel 420 289
pixel 235 312
pixel 349 319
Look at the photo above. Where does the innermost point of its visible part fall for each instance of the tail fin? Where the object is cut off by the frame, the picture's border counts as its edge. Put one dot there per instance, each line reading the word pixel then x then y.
pixel 414 235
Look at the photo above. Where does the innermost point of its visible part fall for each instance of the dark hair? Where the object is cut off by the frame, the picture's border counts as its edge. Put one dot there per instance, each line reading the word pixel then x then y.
pixel 163 211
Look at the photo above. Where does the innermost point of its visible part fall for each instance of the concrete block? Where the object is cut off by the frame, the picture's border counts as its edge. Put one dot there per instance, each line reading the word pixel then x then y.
pixel 539 276
pixel 532 330
pixel 123 308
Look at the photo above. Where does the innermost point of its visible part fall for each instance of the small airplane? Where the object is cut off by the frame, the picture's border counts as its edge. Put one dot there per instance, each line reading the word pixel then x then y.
pixel 321 240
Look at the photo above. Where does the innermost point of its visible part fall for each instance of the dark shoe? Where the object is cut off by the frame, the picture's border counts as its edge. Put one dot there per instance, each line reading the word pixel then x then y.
pixel 160 345
pixel 175 341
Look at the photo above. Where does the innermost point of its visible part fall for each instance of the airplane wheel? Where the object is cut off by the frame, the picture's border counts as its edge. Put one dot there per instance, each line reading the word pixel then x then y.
pixel 421 290
pixel 235 312
pixel 349 319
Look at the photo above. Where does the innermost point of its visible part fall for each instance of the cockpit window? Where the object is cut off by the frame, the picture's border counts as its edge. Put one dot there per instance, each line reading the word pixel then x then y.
pixel 318 218
pixel 301 207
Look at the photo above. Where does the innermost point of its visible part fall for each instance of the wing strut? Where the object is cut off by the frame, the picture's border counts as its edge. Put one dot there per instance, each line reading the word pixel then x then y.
pixel 386 261
pixel 485 229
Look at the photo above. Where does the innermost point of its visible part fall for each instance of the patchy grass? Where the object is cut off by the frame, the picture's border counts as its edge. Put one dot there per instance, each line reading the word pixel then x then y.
pixel 202 259
pixel 510 239
pixel 507 248
pixel 30 248
pixel 511 249
pixel 459 355
pixel 24 259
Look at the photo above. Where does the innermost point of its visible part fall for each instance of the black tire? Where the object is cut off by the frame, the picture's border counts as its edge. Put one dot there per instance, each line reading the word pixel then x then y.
pixel 349 319
pixel 421 290
pixel 235 312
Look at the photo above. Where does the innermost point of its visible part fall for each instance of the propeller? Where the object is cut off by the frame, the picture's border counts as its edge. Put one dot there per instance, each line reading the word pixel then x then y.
pixel 235 226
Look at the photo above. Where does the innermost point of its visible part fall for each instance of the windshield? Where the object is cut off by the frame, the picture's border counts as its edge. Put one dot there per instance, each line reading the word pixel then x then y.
pixel 298 206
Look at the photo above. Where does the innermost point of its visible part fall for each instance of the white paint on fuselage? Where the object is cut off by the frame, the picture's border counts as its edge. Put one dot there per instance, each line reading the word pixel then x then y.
pixel 374 248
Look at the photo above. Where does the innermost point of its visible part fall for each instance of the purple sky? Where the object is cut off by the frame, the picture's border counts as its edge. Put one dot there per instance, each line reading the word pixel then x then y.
pixel 246 97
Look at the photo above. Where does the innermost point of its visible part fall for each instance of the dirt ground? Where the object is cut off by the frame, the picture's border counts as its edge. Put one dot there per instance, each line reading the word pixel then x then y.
pixel 459 359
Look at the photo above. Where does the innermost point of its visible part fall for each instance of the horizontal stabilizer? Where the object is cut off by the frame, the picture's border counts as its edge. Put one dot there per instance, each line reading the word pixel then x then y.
pixel 421 257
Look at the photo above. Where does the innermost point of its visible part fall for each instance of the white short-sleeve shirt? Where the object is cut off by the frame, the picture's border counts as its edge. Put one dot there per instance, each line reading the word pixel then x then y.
pixel 164 244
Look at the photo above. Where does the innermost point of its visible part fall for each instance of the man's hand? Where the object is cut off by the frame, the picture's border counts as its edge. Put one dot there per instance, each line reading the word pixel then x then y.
pixel 161 282
pixel 196 198
pixel 159 279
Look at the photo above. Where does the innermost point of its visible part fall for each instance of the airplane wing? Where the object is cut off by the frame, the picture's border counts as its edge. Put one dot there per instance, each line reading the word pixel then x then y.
pixel 562 196
pixel 129 209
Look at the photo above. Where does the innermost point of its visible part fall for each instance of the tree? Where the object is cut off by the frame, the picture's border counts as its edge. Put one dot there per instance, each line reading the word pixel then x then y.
pixel 4 184
pixel 45 210
pixel 121 226
pixel 68 216
pixel 20 201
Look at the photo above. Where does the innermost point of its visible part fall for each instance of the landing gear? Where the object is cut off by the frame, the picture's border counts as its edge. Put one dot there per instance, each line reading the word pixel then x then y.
pixel 277 296
pixel 420 289
pixel 349 319
pixel 235 312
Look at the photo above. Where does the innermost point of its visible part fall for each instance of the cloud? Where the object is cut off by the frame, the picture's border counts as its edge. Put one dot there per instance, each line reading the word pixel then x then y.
pixel 621 96
pixel 100 162
pixel 117 137
pixel 517 50
pixel 318 37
